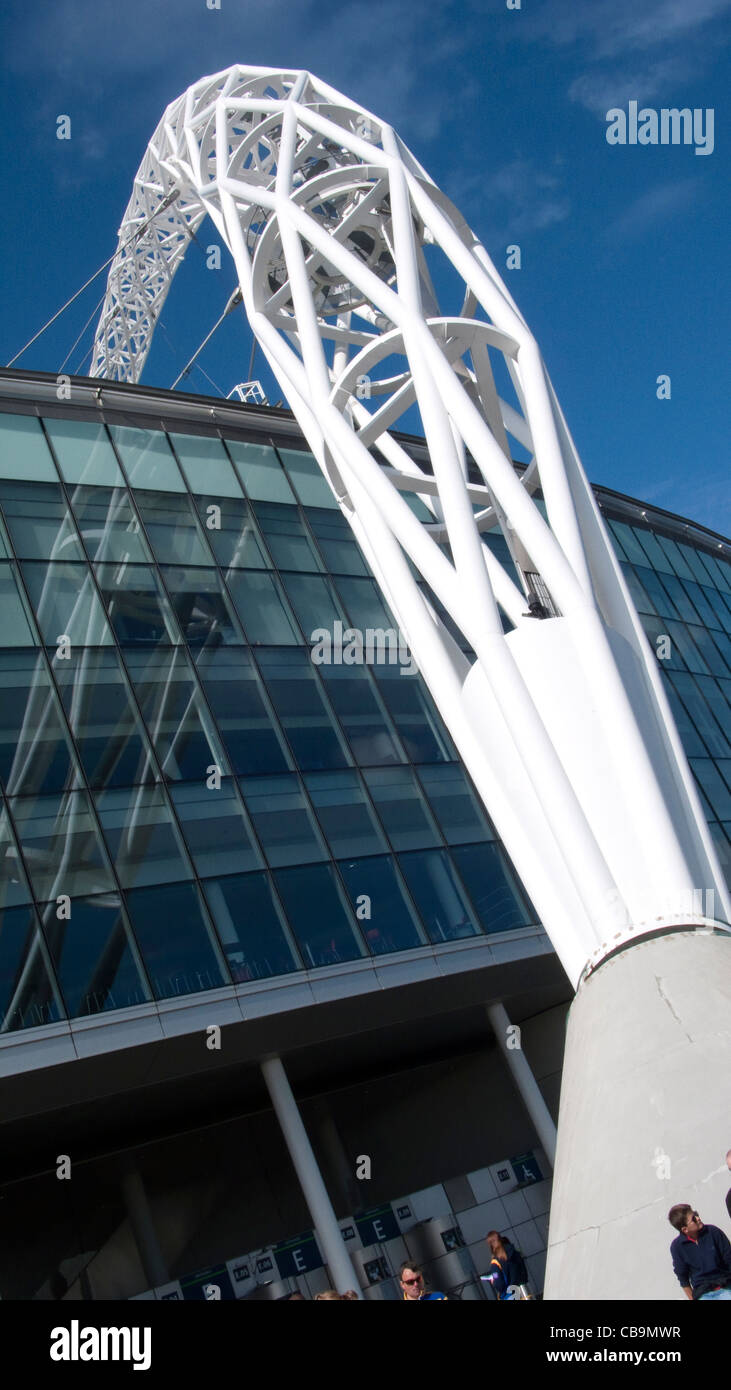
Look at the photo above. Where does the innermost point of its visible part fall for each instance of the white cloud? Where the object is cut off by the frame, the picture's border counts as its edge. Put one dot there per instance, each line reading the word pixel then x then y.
pixel 663 202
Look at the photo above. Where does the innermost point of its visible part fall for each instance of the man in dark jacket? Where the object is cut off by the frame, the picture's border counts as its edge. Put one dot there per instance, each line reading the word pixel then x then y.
pixel 507 1266
pixel 701 1256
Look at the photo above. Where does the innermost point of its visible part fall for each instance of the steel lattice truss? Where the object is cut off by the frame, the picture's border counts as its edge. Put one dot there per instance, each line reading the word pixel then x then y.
pixel 338 237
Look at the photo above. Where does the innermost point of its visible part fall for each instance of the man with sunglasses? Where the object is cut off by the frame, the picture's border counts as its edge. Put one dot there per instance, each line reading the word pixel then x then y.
pixel 411 1280
pixel 701 1256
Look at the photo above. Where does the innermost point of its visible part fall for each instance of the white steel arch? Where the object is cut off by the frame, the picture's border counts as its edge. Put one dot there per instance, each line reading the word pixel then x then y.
pixel 339 236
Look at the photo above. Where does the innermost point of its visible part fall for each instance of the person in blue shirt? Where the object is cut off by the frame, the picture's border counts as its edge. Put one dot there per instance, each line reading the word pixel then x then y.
pixel 507 1267
pixel 701 1256
pixel 413 1290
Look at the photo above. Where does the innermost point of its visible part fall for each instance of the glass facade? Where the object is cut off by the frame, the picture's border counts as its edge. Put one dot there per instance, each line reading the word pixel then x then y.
pixel 189 801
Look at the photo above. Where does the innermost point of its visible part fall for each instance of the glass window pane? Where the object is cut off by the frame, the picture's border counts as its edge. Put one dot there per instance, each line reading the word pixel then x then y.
pixel 185 737
pixel 438 895
pixel 108 524
pixel 630 544
pixel 656 628
pixel 206 465
pixel 716 698
pixel 680 598
pixel 260 471
pixel 61 845
pixel 720 608
pixel 283 820
pixel 16 620
pixel 344 813
pixel 720 572
pixel 39 522
pixel 336 541
pixel 250 927
pixel 402 807
pixel 317 912
pixel 363 603
pixel 358 707
pixel 657 557
pixel 36 754
pixel 84 452
pixel 314 603
pixel 716 649
pixel 14 888
pixel 658 593
pixel 392 924
pixel 422 732
pixel 138 607
pixel 235 694
pixel 688 689
pixel 286 537
pixel 28 996
pixel 691 739
pixel 307 478
pixel 143 838
pixel 713 785
pixel 109 733
pixel 172 529
pixel 216 830
pixel 23 450
pixel 66 604
pixel 148 459
pixel 262 608
pixel 705 610
pixel 682 639
pixel 493 887
pixel 677 559
pixel 231 532
pixel 182 961
pixel 458 811
pixel 640 598
pixel 202 607
pixel 94 956
pixel 297 699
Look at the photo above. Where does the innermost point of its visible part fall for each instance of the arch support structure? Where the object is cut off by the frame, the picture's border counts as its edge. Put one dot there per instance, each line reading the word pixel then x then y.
pixel 370 296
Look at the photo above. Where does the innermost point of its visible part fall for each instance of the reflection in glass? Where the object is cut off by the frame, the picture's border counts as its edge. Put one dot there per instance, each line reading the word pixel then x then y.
pixel 493 887
pixel 317 912
pixel 358 707
pixel 23 450
pixel 336 541
pixel 234 692
pixel 143 838
pixel 297 699
pixel 260 471
pixel 402 807
pixel 36 754
pixel 39 522
pixel 84 453
pixel 172 529
pixel 138 607
pixel 250 927
pixel 262 608
pixel 108 730
pixel 215 828
pixel 14 888
pixel 183 733
pixel 108 524
pixel 392 924
pixel 94 956
pixel 16 620
pixel 438 895
pixel 364 604
pixel 457 809
pixel 202 607
pixel 344 813
pixel 286 537
pixel 206 465
pixel 231 532
pixel 148 459
pixel 182 961
pixel 314 603
pixel 283 820
pixel 423 734
pixel 66 603
pixel 61 845
pixel 28 996
pixel 307 478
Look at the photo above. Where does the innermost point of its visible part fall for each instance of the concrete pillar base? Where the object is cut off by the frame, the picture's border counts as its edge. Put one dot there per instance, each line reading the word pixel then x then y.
pixel 644 1116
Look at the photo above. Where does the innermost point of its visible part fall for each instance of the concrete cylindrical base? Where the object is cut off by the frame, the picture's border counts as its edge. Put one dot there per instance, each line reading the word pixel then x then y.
pixel 644 1116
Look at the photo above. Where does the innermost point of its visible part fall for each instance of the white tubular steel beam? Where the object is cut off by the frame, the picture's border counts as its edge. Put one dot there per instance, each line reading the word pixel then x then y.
pixel 341 243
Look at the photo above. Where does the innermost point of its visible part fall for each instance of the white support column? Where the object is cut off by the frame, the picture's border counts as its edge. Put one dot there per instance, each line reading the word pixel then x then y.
pixel 140 1219
pixel 525 1081
pixel 325 1222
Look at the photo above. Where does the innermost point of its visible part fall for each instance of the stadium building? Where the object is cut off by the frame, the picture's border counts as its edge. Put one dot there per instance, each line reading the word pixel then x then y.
pixel 246 881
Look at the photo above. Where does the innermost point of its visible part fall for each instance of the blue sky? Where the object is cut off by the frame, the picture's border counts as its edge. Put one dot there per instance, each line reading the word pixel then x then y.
pixel 624 248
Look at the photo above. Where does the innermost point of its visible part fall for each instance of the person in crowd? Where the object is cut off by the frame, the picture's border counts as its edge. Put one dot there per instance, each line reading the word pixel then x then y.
pixel 413 1289
pixel 507 1266
pixel 701 1256
pixel 327 1296
pixel 728 1194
